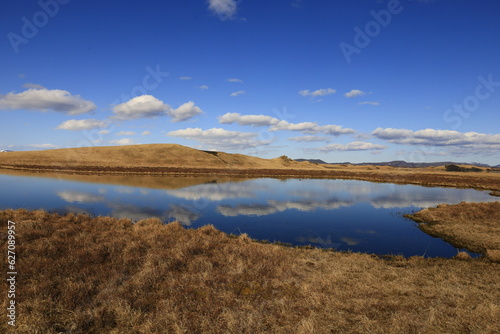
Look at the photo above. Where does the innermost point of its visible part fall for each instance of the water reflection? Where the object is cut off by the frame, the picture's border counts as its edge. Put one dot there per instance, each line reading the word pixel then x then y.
pixel 75 196
pixel 342 214
pixel 306 205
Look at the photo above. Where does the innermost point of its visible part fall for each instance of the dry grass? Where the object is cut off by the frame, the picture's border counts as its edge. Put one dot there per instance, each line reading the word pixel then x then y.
pixel 170 159
pixel 148 155
pixel 475 226
pixel 79 274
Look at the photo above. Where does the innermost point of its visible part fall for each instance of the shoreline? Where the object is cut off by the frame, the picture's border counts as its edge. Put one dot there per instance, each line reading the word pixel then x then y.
pixel 473 226
pixel 415 176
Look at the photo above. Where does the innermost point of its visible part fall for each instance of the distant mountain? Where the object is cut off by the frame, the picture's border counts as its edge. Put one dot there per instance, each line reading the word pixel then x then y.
pixel 6 151
pixel 401 163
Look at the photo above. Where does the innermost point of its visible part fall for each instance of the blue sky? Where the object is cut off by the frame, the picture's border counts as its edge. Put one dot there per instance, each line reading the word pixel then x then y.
pixel 352 80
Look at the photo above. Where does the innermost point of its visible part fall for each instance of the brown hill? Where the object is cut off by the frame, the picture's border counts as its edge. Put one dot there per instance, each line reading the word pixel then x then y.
pixel 149 155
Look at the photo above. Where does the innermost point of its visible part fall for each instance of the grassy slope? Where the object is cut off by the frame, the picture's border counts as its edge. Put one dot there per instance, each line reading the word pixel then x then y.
pixel 149 155
pixel 102 275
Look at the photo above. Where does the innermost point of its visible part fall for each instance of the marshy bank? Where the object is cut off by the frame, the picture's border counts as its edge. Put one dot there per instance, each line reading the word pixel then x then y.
pixel 475 226
pixel 83 274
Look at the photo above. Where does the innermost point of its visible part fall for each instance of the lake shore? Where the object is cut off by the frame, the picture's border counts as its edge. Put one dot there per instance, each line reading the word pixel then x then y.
pixel 95 274
pixel 429 177
pixel 178 160
pixel 475 226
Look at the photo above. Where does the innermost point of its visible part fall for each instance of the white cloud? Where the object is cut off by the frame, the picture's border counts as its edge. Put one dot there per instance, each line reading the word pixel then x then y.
pixel 234 80
pixel 32 85
pixel 104 132
pixel 220 139
pixel 309 139
pixel 253 120
pixel 319 92
pixel 145 133
pixel 354 146
pixel 312 128
pixel 237 93
pixel 225 9
pixel 125 133
pixel 123 141
pixel 82 124
pixel 436 137
pixel 185 78
pixel 143 106
pixel 42 146
pixel 373 103
pixel 457 143
pixel 203 87
pixel 184 112
pixel 354 93
pixel 47 100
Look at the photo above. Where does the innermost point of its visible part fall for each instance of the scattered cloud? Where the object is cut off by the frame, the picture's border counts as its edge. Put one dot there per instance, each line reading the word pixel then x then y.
pixel 42 146
pixel 47 100
pixel 436 137
pixel 144 106
pixel 123 141
pixel 354 93
pixel 237 93
pixel 312 128
pixel 373 103
pixel 145 133
pixel 104 132
pixel 147 106
pixel 32 85
pixel 225 9
pixel 253 120
pixel 185 78
pixel 203 87
pixel 319 92
pixel 234 80
pixel 354 146
pixel 220 139
pixel 82 124
pixel 184 112
pixel 309 139
pixel 125 133
pixel 457 143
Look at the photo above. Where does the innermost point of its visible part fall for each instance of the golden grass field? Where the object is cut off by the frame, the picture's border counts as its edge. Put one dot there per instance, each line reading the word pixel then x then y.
pixel 81 274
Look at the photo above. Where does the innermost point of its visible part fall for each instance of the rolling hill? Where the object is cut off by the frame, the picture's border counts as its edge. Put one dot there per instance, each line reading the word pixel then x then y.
pixel 148 155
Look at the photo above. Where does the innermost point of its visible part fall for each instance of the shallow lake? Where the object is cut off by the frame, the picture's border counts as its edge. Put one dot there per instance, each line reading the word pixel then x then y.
pixel 348 215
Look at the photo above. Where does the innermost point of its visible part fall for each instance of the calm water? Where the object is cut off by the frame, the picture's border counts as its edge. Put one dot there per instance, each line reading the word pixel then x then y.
pixel 343 214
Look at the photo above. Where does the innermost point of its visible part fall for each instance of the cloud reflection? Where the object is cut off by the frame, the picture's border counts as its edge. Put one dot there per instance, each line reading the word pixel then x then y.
pixel 76 196
pixel 279 206
pixel 182 214
pixel 217 192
